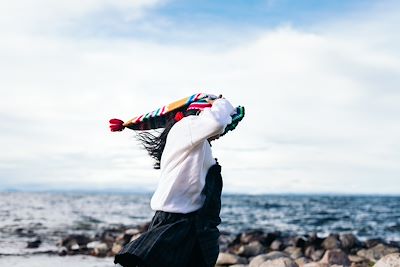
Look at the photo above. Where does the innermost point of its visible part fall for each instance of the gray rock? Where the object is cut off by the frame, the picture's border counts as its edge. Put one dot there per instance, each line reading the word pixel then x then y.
pixel 116 248
pixel 134 237
pixel 361 264
pixel 34 244
pixel 276 245
pixel 124 238
pixel 331 242
pixel 335 256
pixel 348 241
pixel 62 251
pixel 294 252
pixel 317 255
pixel 279 262
pixel 108 236
pixel 270 237
pixel 229 259
pixel 100 250
pixel 314 240
pixel 302 261
pixel 377 252
pixel 254 248
pixel 313 253
pixel 298 241
pixel 309 250
pixel 315 264
pixel 356 259
pixel 260 259
pixel 370 243
pixel 72 240
pixel 132 231
pixel 250 236
pixel 93 244
pixel 75 247
pixel 390 260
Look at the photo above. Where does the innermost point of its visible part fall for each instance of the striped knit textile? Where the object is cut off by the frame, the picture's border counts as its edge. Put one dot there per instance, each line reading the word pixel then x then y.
pixel 159 117
pixel 236 118
pixel 200 104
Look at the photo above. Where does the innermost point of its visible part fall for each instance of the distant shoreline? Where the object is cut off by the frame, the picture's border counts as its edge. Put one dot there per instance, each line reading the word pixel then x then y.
pixel 149 192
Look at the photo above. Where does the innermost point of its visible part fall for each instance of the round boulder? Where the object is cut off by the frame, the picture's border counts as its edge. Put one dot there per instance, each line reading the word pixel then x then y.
pixel 335 257
pixel 391 260
pixel 261 259
pixel 302 261
pixel 280 262
pixel 331 242
pixel 348 241
pixel 229 259
pixel 252 249
pixel 276 245
pixel 100 250
pixel 377 252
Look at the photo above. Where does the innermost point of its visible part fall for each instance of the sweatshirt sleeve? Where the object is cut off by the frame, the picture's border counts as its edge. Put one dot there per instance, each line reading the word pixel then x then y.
pixel 211 121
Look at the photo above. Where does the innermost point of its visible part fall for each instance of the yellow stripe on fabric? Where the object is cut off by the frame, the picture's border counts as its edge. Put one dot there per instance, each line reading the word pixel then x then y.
pixel 177 104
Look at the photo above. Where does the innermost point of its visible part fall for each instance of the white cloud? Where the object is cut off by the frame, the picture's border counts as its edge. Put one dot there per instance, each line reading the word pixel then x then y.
pixel 28 14
pixel 321 106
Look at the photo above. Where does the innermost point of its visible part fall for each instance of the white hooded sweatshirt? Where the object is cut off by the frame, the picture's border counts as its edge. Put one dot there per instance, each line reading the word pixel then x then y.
pixel 187 157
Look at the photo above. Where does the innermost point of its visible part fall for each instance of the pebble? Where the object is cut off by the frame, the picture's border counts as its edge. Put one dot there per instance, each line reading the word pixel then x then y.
pixel 62 251
pixel 116 248
pixel 100 250
pixel 34 244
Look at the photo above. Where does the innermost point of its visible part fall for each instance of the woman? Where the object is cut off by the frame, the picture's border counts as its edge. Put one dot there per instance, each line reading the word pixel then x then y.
pixel 187 201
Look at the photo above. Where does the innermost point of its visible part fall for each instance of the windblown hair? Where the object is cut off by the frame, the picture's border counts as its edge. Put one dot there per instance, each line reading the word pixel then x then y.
pixel 154 140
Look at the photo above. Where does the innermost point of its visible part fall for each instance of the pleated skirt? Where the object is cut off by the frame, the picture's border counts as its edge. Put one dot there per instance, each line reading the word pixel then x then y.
pixel 180 240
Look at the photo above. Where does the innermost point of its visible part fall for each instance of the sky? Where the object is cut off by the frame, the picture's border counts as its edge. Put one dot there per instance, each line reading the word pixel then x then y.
pixel 319 81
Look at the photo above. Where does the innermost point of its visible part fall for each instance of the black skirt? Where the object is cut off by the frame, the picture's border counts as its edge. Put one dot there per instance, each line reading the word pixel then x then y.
pixel 180 240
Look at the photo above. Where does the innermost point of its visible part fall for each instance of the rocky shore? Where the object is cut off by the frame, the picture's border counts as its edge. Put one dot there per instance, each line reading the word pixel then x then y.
pixel 254 248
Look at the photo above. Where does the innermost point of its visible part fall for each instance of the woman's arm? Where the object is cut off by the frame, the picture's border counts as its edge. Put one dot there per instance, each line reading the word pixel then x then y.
pixel 211 121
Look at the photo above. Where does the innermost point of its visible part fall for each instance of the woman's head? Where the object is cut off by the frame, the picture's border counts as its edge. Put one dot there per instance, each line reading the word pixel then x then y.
pixel 154 141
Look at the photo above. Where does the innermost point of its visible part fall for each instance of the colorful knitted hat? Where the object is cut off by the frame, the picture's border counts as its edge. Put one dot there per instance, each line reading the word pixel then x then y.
pixel 159 117
pixel 200 104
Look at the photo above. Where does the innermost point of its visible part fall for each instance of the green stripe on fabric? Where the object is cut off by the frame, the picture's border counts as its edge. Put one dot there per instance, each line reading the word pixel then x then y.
pixel 236 118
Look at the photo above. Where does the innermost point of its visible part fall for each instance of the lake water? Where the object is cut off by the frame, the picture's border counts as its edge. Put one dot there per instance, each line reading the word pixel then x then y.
pixel 51 216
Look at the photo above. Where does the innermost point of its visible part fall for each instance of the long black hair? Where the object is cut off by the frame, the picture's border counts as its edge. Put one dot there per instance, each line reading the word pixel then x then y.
pixel 154 140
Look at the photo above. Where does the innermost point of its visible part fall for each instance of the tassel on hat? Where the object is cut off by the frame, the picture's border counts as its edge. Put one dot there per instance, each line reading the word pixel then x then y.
pixel 116 125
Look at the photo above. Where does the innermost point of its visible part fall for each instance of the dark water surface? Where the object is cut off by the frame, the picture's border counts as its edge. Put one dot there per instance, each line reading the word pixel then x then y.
pixel 50 216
